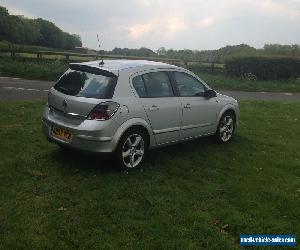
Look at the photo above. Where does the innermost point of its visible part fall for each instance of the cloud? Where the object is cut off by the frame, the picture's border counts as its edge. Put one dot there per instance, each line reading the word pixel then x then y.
pixel 139 30
pixel 164 27
pixel 18 11
pixel 289 9
pixel 207 21
pixel 146 3
pixel 194 24
pixel 174 25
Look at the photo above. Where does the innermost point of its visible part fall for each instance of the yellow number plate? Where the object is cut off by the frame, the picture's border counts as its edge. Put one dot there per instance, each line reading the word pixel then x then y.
pixel 61 134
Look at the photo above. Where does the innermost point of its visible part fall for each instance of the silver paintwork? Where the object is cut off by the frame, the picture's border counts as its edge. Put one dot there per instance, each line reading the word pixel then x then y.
pixel 167 120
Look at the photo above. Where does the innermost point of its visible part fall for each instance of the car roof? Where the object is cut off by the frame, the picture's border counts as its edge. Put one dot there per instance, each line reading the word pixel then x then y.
pixel 114 66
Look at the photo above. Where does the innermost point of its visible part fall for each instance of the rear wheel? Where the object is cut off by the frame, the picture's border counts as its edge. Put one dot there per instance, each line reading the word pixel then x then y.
pixel 131 149
pixel 226 127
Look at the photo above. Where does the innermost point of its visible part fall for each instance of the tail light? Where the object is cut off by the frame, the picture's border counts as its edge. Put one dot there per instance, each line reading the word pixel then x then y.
pixel 103 111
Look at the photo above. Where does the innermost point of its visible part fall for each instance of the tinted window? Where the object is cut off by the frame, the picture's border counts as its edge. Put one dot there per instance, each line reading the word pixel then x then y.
pixel 188 85
pixel 85 84
pixel 139 86
pixel 158 84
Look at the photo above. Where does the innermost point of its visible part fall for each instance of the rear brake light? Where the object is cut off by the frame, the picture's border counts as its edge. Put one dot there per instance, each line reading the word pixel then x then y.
pixel 103 111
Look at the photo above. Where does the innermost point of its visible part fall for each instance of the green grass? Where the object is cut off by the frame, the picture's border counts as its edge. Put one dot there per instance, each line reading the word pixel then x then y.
pixel 231 83
pixel 9 45
pixel 196 195
pixel 32 69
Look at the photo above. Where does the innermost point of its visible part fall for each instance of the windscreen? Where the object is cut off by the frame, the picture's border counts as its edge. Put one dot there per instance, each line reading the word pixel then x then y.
pixel 86 84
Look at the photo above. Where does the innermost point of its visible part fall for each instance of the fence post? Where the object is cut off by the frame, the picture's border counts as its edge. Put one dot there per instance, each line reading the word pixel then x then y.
pixel 186 64
pixel 212 67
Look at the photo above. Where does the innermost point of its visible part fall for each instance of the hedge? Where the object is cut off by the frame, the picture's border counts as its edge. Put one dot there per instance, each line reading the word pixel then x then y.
pixel 264 68
pixel 206 68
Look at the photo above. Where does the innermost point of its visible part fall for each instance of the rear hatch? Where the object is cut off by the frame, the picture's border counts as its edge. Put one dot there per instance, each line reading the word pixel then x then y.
pixel 80 89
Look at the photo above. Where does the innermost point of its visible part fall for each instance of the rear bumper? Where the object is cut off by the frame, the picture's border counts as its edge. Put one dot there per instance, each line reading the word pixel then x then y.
pixel 87 138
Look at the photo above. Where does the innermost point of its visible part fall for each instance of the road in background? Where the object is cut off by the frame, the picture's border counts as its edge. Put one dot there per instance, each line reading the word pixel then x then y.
pixel 265 96
pixel 19 89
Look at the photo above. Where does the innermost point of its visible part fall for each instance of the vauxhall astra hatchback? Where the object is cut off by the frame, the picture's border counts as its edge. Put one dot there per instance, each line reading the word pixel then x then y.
pixel 129 106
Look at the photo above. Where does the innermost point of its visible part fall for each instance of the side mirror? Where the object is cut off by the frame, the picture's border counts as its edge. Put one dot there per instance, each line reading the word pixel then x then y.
pixel 210 93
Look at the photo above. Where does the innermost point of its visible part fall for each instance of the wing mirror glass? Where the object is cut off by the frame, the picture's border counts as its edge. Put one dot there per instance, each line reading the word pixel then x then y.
pixel 210 93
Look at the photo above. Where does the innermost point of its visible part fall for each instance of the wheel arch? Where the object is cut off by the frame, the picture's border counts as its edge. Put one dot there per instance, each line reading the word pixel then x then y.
pixel 229 108
pixel 135 123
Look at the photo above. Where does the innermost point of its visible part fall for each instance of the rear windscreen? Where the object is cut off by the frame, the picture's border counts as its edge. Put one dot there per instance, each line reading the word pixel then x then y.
pixel 85 84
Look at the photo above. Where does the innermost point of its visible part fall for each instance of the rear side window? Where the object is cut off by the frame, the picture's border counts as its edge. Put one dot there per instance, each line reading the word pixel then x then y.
pixel 139 86
pixel 154 84
pixel 85 84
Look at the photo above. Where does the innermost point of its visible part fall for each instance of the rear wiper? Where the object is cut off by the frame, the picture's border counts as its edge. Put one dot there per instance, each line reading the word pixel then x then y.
pixel 63 90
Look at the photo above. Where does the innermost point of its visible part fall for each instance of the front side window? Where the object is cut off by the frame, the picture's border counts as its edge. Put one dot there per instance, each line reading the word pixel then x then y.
pixel 85 84
pixel 188 85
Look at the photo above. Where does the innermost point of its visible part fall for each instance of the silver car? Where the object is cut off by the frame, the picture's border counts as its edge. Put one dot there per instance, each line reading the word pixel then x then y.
pixel 130 106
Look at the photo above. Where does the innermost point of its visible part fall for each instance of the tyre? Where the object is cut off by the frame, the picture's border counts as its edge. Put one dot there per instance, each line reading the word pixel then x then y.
pixel 131 149
pixel 64 148
pixel 226 128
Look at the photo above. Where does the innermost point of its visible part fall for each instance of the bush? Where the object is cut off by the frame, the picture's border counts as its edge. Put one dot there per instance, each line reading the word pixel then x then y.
pixel 264 68
pixel 249 77
pixel 210 68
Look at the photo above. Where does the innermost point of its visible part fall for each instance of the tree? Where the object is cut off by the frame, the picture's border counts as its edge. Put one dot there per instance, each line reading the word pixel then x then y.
pixel 27 31
pixel 3 11
pixel 161 51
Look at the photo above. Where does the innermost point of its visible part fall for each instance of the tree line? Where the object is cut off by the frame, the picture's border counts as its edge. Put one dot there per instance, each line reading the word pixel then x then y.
pixel 218 55
pixel 22 30
pixel 40 32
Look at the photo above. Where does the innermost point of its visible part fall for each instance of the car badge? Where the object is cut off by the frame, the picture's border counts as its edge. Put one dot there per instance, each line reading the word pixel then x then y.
pixel 65 104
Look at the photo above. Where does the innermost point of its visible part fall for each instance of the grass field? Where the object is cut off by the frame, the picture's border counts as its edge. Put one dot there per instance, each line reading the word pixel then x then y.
pixel 9 45
pixel 197 195
pixel 32 69
pixel 230 83
pixel 51 69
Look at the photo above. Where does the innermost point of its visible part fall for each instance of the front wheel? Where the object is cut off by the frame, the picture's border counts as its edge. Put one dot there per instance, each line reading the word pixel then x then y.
pixel 225 128
pixel 131 149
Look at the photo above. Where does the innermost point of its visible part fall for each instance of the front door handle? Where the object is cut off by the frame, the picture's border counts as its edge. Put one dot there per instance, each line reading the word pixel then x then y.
pixel 154 108
pixel 187 106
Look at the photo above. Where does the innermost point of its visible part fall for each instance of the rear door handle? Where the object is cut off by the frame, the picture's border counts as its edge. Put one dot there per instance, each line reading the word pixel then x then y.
pixel 187 106
pixel 154 108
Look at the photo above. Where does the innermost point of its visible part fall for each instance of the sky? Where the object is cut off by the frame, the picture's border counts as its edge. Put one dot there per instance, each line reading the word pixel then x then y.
pixel 177 24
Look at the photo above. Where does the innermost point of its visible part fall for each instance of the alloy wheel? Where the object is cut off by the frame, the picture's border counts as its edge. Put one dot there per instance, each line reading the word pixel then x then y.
pixel 133 150
pixel 226 128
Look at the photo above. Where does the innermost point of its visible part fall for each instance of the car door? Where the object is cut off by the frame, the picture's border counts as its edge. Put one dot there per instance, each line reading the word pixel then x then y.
pixel 199 114
pixel 162 107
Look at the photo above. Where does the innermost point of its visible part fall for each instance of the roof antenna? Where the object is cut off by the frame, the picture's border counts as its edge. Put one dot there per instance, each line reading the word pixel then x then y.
pixel 99 45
